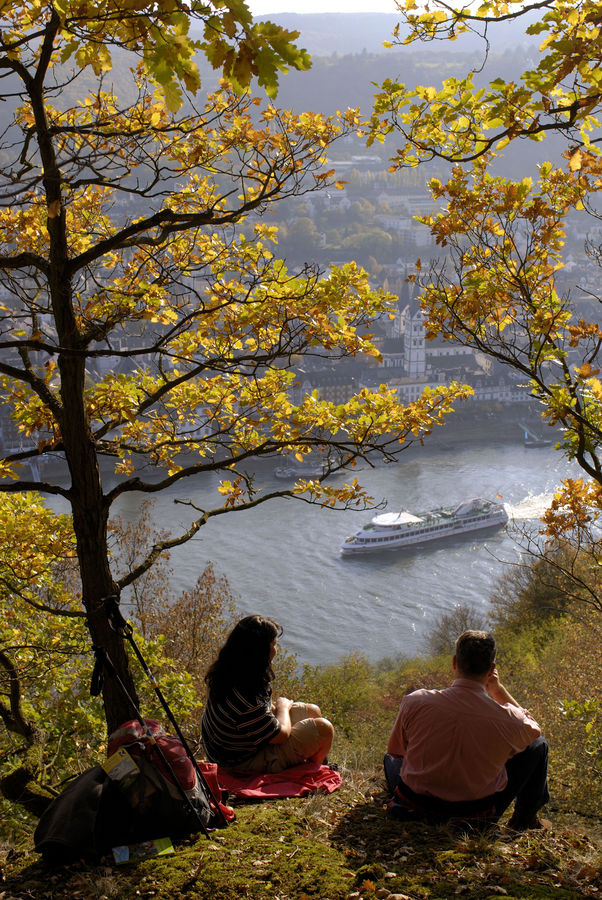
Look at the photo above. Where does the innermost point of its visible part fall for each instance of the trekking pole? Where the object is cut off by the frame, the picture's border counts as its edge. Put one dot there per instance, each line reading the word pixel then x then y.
pixel 104 661
pixel 119 623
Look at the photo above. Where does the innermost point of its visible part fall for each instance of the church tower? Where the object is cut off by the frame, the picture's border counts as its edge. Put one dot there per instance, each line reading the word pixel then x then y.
pixel 415 339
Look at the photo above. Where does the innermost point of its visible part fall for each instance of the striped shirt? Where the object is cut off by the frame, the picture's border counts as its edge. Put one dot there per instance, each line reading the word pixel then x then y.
pixel 235 727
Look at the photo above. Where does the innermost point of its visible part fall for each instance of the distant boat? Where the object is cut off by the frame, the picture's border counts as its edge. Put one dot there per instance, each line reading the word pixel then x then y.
pixel 530 440
pixel 307 469
pixel 300 471
pixel 390 531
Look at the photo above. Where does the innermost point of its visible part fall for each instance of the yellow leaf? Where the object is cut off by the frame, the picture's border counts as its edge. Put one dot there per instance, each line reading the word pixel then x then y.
pixel 586 370
pixel 596 388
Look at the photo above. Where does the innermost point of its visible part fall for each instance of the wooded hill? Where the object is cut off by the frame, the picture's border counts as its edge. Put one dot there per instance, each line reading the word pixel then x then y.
pixel 325 34
pixel 349 60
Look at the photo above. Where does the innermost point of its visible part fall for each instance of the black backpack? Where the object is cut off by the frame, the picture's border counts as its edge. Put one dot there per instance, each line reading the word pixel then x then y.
pixel 94 814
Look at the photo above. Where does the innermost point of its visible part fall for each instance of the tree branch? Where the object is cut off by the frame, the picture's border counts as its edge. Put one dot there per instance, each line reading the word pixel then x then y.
pixel 43 487
pixel 24 260
pixel 12 715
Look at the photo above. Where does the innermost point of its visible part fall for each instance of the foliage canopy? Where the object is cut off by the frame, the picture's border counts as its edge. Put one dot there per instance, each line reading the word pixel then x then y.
pixel 137 325
pixel 499 286
pixel 458 122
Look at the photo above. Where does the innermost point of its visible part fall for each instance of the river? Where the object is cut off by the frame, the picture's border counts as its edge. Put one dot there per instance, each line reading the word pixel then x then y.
pixel 282 558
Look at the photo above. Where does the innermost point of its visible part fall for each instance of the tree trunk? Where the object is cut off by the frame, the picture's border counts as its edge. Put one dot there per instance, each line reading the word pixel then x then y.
pixel 88 505
pixel 90 514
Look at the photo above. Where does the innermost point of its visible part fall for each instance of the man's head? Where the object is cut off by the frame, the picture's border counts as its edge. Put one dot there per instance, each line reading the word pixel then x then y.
pixel 475 654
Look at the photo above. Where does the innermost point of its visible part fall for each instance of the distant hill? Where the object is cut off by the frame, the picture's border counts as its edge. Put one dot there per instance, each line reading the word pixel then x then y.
pixel 349 80
pixel 349 60
pixel 323 34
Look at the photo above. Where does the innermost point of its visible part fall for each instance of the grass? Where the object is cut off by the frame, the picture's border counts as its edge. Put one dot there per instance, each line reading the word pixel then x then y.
pixel 329 848
pixel 344 846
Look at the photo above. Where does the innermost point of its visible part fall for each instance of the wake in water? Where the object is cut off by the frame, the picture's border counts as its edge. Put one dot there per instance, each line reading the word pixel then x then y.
pixel 532 507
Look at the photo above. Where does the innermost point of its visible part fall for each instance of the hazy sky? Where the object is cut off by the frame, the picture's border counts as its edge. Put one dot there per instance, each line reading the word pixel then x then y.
pixel 268 7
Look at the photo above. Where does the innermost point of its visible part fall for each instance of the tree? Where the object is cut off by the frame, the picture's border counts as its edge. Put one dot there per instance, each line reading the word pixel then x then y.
pixel 497 292
pixel 45 653
pixel 441 638
pixel 36 547
pixel 42 652
pixel 499 286
pixel 303 237
pixel 538 590
pixel 138 326
pixel 457 122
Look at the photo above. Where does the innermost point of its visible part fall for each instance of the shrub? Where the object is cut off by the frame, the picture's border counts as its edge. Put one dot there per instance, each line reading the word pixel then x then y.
pixel 442 635
pixel 549 679
pixel 547 583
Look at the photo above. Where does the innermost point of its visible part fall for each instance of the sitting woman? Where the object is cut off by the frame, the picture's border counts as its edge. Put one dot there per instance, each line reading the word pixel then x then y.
pixel 242 728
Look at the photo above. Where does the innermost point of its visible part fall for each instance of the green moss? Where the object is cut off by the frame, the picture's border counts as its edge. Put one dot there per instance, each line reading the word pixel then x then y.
pixel 521 891
pixel 322 849
pixel 371 872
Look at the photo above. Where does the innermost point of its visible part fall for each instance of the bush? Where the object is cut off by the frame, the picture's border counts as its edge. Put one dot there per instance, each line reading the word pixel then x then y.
pixel 547 583
pixel 346 692
pixel 441 638
pixel 209 610
pixel 566 668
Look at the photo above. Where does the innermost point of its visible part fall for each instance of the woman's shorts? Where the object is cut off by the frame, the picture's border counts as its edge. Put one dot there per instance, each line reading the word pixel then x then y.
pixel 303 742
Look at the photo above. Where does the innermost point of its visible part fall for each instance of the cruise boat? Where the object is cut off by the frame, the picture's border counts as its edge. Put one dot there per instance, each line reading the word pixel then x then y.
pixel 389 531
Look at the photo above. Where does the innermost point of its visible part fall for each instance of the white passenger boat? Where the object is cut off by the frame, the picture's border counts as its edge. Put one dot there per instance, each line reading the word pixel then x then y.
pixel 389 531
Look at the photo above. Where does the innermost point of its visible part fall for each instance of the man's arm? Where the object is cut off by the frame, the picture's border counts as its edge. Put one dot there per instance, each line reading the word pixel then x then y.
pixel 525 728
pixel 397 745
pixel 498 692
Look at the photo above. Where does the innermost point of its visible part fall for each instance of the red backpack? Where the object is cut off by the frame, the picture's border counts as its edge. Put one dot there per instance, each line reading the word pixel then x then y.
pixel 153 745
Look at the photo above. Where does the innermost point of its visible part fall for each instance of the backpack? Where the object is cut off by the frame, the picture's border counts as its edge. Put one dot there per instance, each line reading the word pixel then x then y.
pixel 167 754
pixel 95 812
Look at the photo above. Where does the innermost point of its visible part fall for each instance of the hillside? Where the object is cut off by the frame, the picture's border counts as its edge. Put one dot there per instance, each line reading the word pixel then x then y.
pixel 323 34
pixel 331 848
pixel 345 846
pixel 349 62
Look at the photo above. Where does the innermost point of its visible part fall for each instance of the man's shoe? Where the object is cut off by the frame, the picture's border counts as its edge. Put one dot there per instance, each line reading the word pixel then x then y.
pixel 524 823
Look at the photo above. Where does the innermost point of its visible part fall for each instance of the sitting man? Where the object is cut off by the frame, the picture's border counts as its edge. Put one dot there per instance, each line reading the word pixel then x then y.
pixel 467 751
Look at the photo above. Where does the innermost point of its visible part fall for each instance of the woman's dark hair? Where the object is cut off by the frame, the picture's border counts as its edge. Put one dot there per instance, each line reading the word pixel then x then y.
pixel 244 660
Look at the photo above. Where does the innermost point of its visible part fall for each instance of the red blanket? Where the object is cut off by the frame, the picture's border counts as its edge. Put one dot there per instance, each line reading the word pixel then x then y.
pixel 295 782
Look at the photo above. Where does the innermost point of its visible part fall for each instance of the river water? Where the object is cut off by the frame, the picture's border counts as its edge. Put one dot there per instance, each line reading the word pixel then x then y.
pixel 282 558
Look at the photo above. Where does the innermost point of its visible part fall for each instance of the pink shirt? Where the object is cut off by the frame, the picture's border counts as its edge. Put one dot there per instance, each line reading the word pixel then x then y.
pixel 455 742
